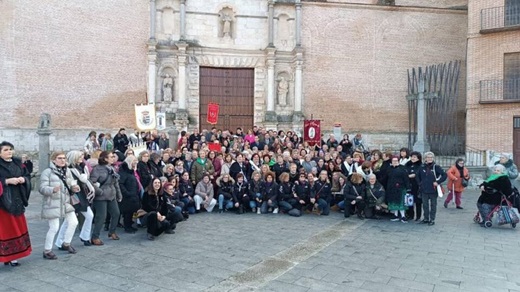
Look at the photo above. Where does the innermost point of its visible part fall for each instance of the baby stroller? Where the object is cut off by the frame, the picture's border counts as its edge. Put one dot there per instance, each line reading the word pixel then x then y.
pixel 504 211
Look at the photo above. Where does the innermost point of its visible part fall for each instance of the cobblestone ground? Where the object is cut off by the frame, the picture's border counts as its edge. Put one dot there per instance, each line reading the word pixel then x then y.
pixel 229 252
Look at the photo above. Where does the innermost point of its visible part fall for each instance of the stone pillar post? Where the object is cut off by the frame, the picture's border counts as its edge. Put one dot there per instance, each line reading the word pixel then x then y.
pixel 152 19
pixel 421 145
pixel 174 138
pixel 270 114
pixel 152 71
pixel 298 35
pixel 158 22
pixel 183 20
pixel 298 87
pixel 44 149
pixel 271 23
pixel 182 57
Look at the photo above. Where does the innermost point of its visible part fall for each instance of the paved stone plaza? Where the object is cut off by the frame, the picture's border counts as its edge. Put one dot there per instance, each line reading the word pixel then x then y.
pixel 229 252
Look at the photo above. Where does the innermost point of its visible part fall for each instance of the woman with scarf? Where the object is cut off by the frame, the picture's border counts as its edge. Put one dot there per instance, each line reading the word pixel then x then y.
pixel 85 196
pixel 186 191
pixel 456 174
pixel 496 185
pixel 429 176
pixel 107 196
pixel 200 167
pixel 241 194
pixel 321 193
pixel 354 194
pixel 15 180
pixel 57 187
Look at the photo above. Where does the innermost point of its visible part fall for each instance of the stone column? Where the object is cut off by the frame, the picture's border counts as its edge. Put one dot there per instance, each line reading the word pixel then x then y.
pixel 152 19
pixel 173 134
pixel 421 145
pixel 44 149
pixel 271 23
pixel 152 71
pixel 298 35
pixel 270 114
pixel 183 20
pixel 298 87
pixel 158 24
pixel 182 57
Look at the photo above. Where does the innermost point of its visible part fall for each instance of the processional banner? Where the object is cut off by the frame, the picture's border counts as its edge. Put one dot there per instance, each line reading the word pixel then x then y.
pixel 145 117
pixel 213 110
pixel 312 132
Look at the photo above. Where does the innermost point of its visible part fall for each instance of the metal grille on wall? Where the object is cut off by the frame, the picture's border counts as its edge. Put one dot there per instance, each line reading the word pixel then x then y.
pixel 445 130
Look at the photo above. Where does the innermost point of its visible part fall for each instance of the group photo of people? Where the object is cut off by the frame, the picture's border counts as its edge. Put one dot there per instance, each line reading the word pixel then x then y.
pixel 128 183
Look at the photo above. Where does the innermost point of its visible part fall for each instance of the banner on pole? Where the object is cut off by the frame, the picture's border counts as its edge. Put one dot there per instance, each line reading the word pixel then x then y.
pixel 161 121
pixel 312 132
pixel 213 109
pixel 145 117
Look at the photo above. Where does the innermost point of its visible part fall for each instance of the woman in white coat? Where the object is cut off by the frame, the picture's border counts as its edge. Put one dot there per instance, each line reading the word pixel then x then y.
pixel 57 185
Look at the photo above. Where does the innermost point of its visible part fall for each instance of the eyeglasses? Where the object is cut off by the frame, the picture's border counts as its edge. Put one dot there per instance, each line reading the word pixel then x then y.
pixel 61 158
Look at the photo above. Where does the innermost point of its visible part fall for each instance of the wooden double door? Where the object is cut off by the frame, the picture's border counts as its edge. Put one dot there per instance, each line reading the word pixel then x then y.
pixel 231 88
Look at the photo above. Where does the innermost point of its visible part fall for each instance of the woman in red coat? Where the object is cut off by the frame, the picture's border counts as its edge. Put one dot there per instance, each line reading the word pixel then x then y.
pixel 456 174
pixel 14 236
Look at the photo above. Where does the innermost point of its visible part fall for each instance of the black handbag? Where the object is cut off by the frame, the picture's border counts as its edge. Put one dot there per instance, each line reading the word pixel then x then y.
pixel 464 182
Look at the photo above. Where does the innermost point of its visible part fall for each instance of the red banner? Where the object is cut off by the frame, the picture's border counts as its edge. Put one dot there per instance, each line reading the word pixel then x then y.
pixel 312 132
pixel 213 109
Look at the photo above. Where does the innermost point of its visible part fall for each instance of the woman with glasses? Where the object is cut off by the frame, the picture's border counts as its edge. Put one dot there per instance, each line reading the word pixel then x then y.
pixel 57 187
pixel 456 175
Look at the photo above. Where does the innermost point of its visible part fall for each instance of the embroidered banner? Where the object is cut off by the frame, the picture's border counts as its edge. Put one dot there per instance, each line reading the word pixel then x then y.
pixel 213 109
pixel 145 117
pixel 312 132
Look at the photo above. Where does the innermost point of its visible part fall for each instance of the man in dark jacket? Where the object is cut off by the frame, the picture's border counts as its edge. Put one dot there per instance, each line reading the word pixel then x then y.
pixel 429 176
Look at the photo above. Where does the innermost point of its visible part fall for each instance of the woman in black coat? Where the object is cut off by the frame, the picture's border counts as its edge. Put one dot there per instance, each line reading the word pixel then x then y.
pixel 130 192
pixel 354 194
pixel 412 167
pixel 493 188
pixel 397 185
pixel 144 169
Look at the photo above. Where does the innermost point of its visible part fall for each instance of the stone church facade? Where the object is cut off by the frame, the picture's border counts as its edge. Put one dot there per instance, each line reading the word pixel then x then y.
pixel 342 61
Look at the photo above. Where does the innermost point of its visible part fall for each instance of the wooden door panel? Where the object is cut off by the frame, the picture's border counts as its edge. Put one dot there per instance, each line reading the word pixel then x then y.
pixel 233 90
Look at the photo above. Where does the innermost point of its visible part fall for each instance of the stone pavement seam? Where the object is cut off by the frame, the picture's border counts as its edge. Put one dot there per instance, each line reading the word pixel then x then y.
pixel 282 262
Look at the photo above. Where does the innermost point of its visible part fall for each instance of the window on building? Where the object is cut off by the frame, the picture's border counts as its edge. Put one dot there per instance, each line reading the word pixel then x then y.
pixel 512 76
pixel 512 12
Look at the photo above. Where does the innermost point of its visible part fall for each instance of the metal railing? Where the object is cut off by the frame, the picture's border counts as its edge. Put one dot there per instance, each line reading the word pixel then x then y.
pixel 499 90
pixel 502 17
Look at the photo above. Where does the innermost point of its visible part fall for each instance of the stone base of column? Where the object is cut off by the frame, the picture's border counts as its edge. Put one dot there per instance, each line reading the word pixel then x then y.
pixel 271 116
pixel 421 146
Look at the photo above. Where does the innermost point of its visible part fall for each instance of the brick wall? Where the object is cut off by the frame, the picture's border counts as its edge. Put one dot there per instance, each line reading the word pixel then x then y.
pixel 357 56
pixel 489 126
pixel 84 62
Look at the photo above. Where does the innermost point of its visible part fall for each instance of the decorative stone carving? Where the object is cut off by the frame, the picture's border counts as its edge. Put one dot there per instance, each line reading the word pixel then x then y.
pixel 45 121
pixel 226 23
pixel 283 89
pixel 167 87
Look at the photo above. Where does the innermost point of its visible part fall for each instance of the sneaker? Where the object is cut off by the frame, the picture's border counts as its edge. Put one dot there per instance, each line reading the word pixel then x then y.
pixel 275 211
pixel 258 211
pixel 395 219
pixel 150 237
pixel 431 223
pixel 459 207
pixel 425 222
pixel 220 211
pixel 270 209
pixel 445 204
pixel 404 220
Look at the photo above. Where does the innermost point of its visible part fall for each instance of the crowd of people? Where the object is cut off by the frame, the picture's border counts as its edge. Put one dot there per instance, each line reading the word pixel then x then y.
pixel 108 185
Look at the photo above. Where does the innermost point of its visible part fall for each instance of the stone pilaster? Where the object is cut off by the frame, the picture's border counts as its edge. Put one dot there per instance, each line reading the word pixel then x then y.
pixel 152 71
pixel 182 58
pixel 270 60
pixel 183 20
pixel 298 34
pixel 152 19
pixel 271 23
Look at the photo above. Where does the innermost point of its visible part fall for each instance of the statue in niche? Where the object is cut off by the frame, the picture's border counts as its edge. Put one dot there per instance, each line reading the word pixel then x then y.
pixel 226 25
pixel 45 121
pixel 283 89
pixel 167 86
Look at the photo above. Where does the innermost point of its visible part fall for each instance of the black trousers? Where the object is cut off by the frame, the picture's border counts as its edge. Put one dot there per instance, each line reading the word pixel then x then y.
pixel 154 226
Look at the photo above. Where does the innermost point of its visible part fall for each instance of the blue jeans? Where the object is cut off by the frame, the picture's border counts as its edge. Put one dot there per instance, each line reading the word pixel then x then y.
pixel 222 201
pixel 253 203
pixel 266 205
pixel 189 206
pixel 341 205
pixel 324 205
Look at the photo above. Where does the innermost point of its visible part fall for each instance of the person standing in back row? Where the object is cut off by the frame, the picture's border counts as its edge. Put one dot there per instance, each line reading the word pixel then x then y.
pixel 429 176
